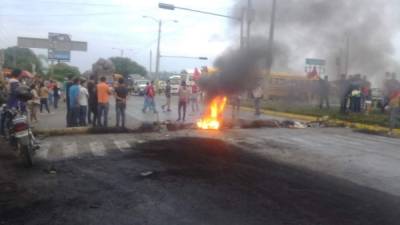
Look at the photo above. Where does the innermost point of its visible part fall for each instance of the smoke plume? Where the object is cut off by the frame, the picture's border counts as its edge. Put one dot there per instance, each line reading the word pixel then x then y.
pixel 319 28
pixel 239 69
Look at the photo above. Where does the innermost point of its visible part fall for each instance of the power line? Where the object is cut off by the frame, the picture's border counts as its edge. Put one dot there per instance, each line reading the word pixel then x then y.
pixel 66 15
pixel 79 3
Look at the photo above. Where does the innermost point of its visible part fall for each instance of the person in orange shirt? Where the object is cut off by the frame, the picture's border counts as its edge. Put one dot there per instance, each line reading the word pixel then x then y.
pixel 103 95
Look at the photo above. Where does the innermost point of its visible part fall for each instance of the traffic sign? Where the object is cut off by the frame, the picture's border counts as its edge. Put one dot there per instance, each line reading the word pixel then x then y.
pixel 59 46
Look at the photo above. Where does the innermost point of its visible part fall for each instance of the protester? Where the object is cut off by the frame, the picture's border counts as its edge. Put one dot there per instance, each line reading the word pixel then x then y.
pixel 34 103
pixel 56 95
pixel 44 95
pixel 50 87
pixel 324 92
pixel 183 95
pixel 194 98
pixel 344 92
pixel 103 95
pixel 67 85
pixel 235 102
pixel 394 110
pixel 168 97
pixel 366 99
pixel 74 107
pixel 257 95
pixel 13 84
pixel 83 103
pixel 145 97
pixel 356 100
pixel 121 94
pixel 93 106
pixel 149 101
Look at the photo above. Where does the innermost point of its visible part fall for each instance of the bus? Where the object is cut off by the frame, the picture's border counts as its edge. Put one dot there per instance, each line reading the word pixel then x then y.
pixel 289 86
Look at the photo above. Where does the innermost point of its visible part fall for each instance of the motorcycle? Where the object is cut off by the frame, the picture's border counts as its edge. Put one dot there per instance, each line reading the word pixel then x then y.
pixel 17 131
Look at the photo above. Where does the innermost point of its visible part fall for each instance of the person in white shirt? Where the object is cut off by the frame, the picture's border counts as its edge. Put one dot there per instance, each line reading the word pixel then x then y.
pixel 83 103
pixel 257 95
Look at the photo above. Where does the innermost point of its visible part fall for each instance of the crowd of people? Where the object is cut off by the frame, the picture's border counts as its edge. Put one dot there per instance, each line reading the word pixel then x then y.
pixel 88 102
pixel 44 93
pixel 186 95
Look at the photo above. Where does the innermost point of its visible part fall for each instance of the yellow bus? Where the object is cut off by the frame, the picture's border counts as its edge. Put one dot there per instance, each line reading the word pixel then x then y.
pixel 281 85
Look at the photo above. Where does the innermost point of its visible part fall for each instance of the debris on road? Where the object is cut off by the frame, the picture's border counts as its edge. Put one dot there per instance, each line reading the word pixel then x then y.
pixel 146 173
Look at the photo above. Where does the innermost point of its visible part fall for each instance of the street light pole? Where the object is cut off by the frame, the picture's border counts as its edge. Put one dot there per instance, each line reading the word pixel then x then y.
pixel 150 62
pixel 158 42
pixel 122 50
pixel 242 28
pixel 346 69
pixel 185 57
pixel 158 49
pixel 240 19
pixel 249 18
pixel 271 39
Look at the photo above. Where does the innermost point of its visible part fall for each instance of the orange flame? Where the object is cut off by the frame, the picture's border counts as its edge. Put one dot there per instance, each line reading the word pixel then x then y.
pixel 213 116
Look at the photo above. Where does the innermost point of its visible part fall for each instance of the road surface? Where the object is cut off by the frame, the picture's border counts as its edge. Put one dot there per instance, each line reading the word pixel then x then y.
pixel 237 176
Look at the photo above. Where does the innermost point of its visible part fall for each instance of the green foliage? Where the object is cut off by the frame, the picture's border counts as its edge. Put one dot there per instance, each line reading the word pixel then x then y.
pixel 126 66
pixel 374 118
pixel 24 59
pixel 63 70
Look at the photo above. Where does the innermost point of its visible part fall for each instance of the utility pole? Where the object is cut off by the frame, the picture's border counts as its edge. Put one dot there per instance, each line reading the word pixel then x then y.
pixel 150 63
pixel 242 29
pixel 271 39
pixel 346 68
pixel 158 49
pixel 249 20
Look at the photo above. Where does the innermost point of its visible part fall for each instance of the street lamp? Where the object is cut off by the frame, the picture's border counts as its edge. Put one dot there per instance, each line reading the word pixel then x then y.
pixel 122 50
pixel 184 57
pixel 159 21
pixel 240 19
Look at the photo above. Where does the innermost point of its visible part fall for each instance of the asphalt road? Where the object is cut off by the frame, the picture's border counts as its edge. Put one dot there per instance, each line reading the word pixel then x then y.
pixel 135 104
pixel 254 176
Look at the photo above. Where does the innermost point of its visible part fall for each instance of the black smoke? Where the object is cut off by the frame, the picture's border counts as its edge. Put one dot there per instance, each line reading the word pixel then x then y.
pixel 240 70
pixel 319 28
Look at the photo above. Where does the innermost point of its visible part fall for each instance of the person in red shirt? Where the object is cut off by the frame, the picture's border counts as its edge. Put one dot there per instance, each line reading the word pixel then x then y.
pixel 149 101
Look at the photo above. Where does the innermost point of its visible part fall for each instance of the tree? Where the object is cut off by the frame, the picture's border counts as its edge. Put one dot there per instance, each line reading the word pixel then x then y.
pixel 63 70
pixel 126 66
pixel 22 58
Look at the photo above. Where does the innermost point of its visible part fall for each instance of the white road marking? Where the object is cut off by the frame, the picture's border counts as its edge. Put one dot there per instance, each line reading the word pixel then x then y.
pixel 123 146
pixel 70 149
pixel 97 148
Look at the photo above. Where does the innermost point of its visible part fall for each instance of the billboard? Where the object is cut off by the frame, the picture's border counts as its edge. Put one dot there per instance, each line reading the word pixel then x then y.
pixel 54 51
pixel 59 55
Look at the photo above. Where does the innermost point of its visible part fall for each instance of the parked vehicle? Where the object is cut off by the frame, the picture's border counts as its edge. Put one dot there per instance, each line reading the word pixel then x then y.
pixel 139 86
pixel 175 82
pixel 15 128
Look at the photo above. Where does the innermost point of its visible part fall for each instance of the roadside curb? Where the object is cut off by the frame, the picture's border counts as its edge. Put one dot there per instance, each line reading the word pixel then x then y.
pixel 375 129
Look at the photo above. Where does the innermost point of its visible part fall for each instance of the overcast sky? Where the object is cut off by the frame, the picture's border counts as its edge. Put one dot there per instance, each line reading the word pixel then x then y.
pixel 108 24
